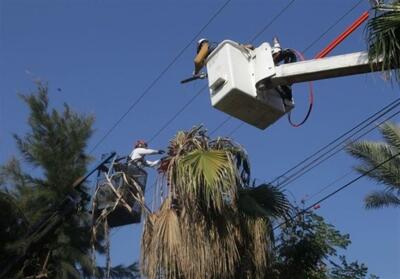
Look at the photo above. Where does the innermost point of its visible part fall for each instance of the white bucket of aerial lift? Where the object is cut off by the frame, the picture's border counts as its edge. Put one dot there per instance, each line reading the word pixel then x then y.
pixel 233 73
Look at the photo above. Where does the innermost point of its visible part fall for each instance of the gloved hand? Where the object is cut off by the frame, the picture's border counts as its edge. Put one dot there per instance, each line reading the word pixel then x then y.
pixel 161 151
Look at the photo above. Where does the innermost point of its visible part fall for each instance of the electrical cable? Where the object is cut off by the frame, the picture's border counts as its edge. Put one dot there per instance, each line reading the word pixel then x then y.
pixel 388 107
pixel 166 124
pixel 220 125
pixel 333 25
pixel 284 9
pixel 304 170
pixel 323 189
pixel 311 45
pixel 338 190
pixel 310 98
pixel 160 75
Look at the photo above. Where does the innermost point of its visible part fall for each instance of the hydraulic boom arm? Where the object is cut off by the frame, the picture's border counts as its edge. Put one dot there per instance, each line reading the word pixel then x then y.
pixel 323 68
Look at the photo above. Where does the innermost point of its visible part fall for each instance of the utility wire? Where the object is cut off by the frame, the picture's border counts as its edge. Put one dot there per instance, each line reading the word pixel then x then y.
pixel 166 124
pixel 331 184
pixel 310 167
pixel 265 27
pixel 304 170
pixel 369 119
pixel 283 10
pixel 220 125
pixel 310 46
pixel 160 75
pixel 338 190
pixel 333 25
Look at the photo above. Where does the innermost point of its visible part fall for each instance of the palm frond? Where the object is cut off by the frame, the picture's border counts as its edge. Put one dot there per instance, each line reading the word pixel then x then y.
pixel 117 272
pixel 208 176
pixel 391 133
pixel 263 201
pixel 380 199
pixel 240 155
pixel 164 246
pixel 383 39
pixel 373 154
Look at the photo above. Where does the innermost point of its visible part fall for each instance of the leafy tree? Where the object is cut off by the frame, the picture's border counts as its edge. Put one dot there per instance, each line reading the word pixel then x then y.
pixel 307 247
pixel 53 149
pixel 384 36
pixel 346 270
pixel 211 223
pixel 371 154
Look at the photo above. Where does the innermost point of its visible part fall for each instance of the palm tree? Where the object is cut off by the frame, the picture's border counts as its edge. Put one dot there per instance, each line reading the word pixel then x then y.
pixel 211 223
pixel 371 154
pixel 384 36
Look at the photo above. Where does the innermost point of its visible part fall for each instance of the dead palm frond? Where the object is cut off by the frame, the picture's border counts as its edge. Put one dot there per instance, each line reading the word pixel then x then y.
pixel 164 246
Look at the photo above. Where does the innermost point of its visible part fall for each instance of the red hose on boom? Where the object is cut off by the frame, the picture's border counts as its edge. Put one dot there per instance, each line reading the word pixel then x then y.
pixel 364 16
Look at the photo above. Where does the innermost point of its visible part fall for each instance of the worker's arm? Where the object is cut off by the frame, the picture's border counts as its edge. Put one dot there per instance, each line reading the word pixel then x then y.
pixel 148 151
pixel 153 164
pixel 200 57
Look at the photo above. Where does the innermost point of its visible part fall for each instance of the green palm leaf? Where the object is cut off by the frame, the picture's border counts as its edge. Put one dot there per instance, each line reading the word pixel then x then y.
pixel 391 133
pixel 207 166
pixel 263 201
pixel 379 199
pixel 207 175
pixel 383 38
pixel 371 155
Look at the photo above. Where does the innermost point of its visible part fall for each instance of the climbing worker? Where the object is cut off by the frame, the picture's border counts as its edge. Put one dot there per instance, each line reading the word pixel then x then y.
pixel 139 152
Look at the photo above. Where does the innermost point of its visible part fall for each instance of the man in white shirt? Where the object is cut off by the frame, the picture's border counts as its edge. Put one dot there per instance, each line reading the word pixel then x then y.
pixel 138 154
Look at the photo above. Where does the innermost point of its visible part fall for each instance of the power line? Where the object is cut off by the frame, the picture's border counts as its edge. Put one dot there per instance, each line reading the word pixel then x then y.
pixel 333 25
pixel 290 179
pixel 310 46
pixel 339 189
pixel 304 170
pixel 161 74
pixel 220 125
pixel 323 189
pixel 371 119
pixel 284 9
pixel 168 122
pixel 177 114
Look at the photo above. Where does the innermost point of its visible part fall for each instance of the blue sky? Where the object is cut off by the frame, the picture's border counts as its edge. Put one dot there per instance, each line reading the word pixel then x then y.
pixel 104 54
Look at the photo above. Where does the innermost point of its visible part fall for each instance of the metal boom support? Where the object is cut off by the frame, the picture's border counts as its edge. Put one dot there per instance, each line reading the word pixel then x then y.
pixel 323 68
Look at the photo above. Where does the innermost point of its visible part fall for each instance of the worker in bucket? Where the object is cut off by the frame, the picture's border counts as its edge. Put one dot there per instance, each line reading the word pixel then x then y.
pixel 285 56
pixel 204 48
pixel 137 156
